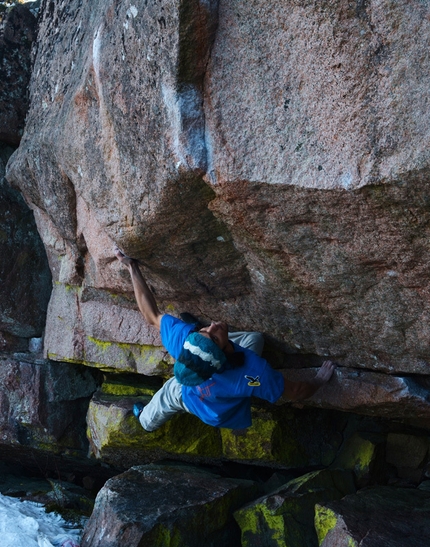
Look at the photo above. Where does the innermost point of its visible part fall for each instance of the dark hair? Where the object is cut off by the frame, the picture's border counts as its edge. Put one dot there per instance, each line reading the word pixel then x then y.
pixel 236 359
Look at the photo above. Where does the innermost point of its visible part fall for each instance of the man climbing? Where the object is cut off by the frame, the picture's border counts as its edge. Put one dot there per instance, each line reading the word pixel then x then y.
pixel 215 377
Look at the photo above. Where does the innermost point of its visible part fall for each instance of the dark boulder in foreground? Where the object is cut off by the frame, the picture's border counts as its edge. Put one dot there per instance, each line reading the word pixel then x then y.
pixel 163 505
pixel 389 516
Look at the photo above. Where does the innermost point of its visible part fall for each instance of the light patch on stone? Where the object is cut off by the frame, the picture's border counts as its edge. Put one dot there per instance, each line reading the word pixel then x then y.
pixel 187 125
pixel 392 273
pixel 132 11
pixel 220 238
pixel 125 25
pixel 35 345
pixel 96 54
pixel 259 276
pixel 346 180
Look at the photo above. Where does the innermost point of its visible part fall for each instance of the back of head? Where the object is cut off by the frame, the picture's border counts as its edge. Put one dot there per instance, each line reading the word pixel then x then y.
pixel 200 358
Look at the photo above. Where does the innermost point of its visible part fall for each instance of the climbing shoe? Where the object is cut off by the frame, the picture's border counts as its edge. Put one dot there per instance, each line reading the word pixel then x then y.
pixel 137 409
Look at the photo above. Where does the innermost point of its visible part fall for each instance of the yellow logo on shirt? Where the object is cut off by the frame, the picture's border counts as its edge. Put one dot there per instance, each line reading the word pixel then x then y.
pixel 253 382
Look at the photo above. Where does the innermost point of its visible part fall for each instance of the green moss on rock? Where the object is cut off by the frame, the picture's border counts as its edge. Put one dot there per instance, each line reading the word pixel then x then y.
pixel 117 437
pixel 325 520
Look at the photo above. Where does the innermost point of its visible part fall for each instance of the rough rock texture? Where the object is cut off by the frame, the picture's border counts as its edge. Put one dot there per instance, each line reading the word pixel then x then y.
pixel 17 32
pixel 279 436
pixel 43 404
pixel 99 331
pixel 397 517
pixel 286 515
pixel 25 278
pixel 363 453
pixel 167 505
pixel 401 398
pixel 283 189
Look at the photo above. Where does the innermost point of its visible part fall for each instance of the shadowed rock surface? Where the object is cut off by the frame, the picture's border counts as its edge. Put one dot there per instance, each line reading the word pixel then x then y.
pixel 161 505
pixel 17 32
pixel 24 273
pixel 377 516
pixel 285 516
pixel 279 436
pixel 43 405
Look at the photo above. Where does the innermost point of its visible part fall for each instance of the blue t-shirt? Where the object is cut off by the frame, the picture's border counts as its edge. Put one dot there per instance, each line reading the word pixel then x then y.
pixel 224 399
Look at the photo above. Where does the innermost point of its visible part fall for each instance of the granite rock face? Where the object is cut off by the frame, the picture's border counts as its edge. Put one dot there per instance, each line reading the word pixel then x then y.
pixel 402 398
pixel 268 165
pixel 167 505
pixel 43 405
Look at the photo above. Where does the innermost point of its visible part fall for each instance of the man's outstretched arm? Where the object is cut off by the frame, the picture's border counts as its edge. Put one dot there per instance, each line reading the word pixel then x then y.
pixel 297 391
pixel 144 297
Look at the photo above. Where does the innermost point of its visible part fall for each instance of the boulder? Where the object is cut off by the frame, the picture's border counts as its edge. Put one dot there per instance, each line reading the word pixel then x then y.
pixel 363 453
pixel 44 404
pixel 283 189
pixel 375 516
pixel 117 438
pixel 373 394
pixel 408 454
pixel 279 436
pixel 167 505
pixel 286 515
pixel 91 327
pixel 17 33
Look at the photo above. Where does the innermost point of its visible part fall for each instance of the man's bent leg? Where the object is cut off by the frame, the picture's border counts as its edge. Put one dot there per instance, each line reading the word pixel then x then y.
pixel 164 404
pixel 250 340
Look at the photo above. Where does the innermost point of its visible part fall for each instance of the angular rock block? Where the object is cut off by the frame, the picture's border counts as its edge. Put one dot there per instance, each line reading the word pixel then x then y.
pixel 282 435
pixel 371 394
pixel 117 437
pixel 165 505
pixel 278 437
pixel 285 517
pixel 363 454
pixel 408 453
pixel 376 516
pixel 89 327
pixel 43 404
pixel 405 450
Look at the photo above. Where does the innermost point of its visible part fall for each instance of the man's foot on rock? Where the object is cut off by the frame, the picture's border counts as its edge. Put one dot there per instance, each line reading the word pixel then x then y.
pixel 190 319
pixel 137 409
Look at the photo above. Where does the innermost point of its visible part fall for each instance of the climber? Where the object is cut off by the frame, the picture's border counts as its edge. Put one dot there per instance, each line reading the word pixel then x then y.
pixel 214 377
